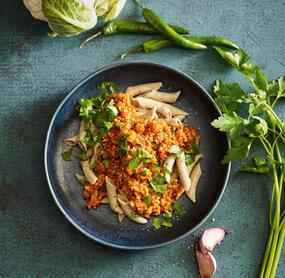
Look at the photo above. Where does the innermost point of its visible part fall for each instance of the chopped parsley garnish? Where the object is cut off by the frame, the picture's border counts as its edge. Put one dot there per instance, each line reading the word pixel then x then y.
pixel 159 183
pixel 147 200
pixel 194 148
pixel 179 209
pixel 94 110
pixel 142 155
pixel 123 145
pixel 189 159
pixel 67 155
pixel 106 163
pixel 134 163
pixel 174 149
pixel 82 156
pixel 163 221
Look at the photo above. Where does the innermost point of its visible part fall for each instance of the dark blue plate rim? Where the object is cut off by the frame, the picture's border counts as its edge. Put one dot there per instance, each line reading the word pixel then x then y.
pixel 77 226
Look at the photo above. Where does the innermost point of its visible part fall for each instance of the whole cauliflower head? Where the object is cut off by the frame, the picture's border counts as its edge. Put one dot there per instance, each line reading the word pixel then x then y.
pixel 35 8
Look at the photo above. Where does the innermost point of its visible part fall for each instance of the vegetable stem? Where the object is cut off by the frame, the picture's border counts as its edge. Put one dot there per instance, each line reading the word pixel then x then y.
pixel 91 38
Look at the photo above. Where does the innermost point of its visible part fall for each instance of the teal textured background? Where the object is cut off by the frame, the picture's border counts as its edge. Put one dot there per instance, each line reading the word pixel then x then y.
pixel 36 73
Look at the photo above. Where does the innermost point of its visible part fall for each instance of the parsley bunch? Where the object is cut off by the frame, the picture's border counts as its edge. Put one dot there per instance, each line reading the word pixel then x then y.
pixel 251 119
pixel 95 112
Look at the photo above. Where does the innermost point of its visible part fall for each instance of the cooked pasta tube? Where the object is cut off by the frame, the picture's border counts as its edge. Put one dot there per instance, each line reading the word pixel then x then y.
pixel 72 141
pixel 81 178
pixel 182 171
pixel 192 165
pixel 121 217
pixel 113 196
pixel 195 176
pixel 149 114
pixel 180 117
pixel 88 173
pixel 168 164
pixel 82 134
pixel 89 152
pixel 96 151
pixel 143 88
pixel 162 96
pixel 173 122
pixel 105 200
pixel 130 213
pixel 149 103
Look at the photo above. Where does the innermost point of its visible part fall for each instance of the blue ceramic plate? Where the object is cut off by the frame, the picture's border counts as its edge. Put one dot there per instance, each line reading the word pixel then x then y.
pixel 102 224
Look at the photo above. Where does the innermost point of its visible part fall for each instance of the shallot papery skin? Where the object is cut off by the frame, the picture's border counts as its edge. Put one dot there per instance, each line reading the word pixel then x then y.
pixel 206 262
pixel 210 238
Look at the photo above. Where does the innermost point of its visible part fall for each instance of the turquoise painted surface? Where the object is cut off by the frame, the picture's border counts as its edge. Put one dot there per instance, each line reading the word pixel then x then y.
pixel 36 73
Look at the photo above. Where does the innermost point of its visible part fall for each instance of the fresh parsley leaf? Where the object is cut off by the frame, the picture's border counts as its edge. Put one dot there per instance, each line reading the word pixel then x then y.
pixel 67 155
pixel 228 96
pixel 134 163
pixel 231 123
pixel 159 183
pixel 194 148
pixel 259 166
pixel 123 145
pixel 156 167
pixel 106 163
pixel 260 81
pixel 238 60
pixel 239 150
pixel 108 88
pixel 147 200
pixel 143 153
pixel 174 149
pixel 82 156
pixel 157 222
pixel 93 165
pixel 256 127
pixel 281 87
pixel 179 209
pixel 163 221
pixel 189 159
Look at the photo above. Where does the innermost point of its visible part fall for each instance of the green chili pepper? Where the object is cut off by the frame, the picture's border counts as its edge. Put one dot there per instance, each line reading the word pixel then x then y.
pixel 160 25
pixel 159 43
pixel 130 27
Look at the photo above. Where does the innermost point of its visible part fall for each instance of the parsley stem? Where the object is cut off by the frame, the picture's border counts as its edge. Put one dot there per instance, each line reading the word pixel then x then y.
pixel 264 145
pixel 278 251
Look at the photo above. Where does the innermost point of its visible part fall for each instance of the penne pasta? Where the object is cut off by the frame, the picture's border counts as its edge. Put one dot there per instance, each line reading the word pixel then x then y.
pixel 168 164
pixel 88 173
pixel 180 117
pixel 143 88
pixel 82 134
pixel 72 141
pixel 89 153
pixel 121 217
pixel 182 171
pixel 81 178
pixel 130 213
pixel 195 176
pixel 162 96
pixel 112 196
pixel 149 114
pixel 150 103
pixel 105 200
pixel 173 122
pixel 96 151
pixel 192 165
